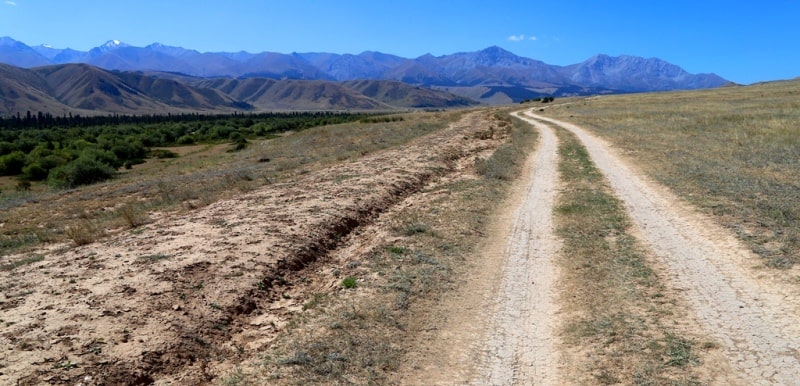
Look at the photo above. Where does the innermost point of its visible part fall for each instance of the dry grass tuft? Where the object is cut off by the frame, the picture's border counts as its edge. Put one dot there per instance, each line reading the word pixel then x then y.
pixel 133 215
pixel 83 232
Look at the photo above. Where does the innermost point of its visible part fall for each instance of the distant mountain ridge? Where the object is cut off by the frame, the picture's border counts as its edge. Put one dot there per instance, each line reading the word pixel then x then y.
pixel 79 88
pixel 493 70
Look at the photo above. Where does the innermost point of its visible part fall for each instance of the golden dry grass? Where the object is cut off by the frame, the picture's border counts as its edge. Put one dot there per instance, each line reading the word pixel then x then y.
pixel 734 152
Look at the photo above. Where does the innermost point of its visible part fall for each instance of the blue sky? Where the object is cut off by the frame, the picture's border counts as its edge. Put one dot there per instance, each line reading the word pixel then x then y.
pixel 743 41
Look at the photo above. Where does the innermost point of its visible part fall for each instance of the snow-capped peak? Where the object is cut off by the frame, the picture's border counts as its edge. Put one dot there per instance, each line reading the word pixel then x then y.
pixel 114 44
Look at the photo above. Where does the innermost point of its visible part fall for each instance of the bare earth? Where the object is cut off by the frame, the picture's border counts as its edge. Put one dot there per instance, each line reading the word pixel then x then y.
pixel 187 297
pixel 754 316
pixel 499 327
pixel 522 348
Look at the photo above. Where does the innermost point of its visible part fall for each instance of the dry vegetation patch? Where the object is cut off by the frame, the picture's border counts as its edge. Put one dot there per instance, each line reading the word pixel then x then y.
pixel 621 324
pixel 735 152
pixel 201 175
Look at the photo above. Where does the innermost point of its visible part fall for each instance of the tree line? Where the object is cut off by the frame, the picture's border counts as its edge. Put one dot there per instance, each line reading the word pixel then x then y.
pixel 68 151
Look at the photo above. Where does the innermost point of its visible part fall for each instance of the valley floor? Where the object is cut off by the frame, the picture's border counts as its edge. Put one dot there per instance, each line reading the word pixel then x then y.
pixel 408 266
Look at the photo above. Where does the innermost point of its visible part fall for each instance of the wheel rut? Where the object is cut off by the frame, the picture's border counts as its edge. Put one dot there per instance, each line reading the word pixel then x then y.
pixel 753 319
pixel 522 348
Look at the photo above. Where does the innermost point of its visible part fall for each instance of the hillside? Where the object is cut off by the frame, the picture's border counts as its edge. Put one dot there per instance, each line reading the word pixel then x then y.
pixel 23 90
pixel 404 95
pixel 271 94
pixel 513 77
pixel 85 89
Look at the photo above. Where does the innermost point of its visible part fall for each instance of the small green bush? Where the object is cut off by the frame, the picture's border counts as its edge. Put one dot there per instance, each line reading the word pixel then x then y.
pixel 163 153
pixel 82 171
pixel 349 282
pixel 12 164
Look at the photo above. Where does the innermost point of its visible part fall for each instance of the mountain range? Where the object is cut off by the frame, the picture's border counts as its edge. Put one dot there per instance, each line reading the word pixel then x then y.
pixel 231 80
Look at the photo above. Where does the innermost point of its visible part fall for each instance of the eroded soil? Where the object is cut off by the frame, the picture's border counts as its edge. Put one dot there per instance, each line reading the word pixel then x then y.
pixel 186 297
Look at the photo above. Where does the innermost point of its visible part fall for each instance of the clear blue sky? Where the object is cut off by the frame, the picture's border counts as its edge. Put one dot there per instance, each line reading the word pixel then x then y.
pixel 743 41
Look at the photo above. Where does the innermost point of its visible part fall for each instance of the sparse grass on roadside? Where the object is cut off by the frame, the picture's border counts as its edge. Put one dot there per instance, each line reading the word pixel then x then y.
pixel 84 232
pixel 153 257
pixel 504 163
pixel 617 317
pixel 21 262
pixel 360 336
pixel 734 152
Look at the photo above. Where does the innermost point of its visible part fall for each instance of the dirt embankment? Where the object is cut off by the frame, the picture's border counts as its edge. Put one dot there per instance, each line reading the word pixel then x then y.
pixel 188 295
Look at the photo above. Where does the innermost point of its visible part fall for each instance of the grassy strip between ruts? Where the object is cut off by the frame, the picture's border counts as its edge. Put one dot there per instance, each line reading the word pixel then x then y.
pixel 359 335
pixel 620 324
pixel 733 152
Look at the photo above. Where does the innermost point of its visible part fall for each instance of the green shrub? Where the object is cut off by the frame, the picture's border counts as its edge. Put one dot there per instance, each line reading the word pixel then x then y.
pixel 83 171
pixel 34 172
pixel 11 164
pixel 185 140
pixel 163 153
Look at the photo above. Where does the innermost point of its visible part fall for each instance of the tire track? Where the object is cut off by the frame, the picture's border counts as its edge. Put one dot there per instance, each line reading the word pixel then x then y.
pixel 755 322
pixel 522 345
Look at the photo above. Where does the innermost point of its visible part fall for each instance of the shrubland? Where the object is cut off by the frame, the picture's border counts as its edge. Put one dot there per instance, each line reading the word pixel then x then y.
pixel 73 151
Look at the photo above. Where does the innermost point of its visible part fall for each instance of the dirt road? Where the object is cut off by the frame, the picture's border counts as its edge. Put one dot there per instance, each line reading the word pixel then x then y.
pixel 522 347
pixel 500 329
pixel 753 317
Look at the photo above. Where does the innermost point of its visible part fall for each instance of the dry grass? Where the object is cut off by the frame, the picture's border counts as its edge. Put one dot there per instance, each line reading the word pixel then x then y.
pixel 201 175
pixel 734 152
pixel 10 266
pixel 84 232
pixel 366 330
pixel 619 322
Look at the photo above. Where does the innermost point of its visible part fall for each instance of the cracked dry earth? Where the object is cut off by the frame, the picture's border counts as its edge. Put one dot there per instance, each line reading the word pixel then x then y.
pixel 522 347
pixel 185 298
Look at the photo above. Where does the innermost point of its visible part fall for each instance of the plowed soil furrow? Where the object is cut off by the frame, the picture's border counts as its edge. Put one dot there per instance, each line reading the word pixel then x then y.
pixel 521 344
pixel 753 319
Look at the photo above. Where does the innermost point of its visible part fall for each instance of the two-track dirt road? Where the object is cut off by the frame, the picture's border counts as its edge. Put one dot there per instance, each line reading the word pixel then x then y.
pixel 752 317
